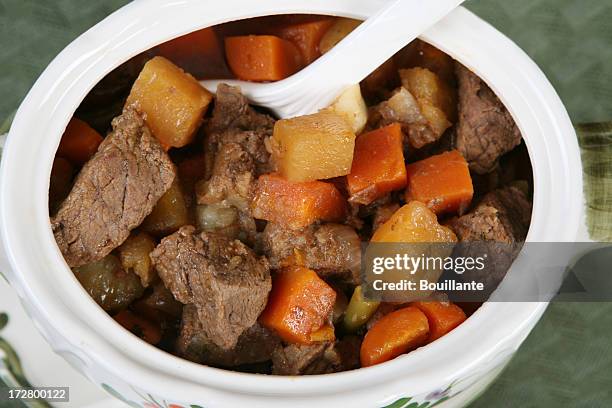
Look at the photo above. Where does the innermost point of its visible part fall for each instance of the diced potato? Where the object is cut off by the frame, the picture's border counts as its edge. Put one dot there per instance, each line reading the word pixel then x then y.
pixel 313 147
pixel 169 214
pixel 109 284
pixel 405 107
pixel 172 101
pixel 414 223
pixel 340 29
pixel 134 255
pixel 435 98
pixel 350 105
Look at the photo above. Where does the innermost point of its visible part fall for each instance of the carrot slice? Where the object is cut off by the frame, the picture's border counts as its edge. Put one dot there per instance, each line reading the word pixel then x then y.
pixel 442 317
pixel 442 182
pixel 262 57
pixel 79 142
pixel 394 334
pixel 297 204
pixel 378 164
pixel 306 36
pixel 299 306
pixel 198 53
pixel 146 330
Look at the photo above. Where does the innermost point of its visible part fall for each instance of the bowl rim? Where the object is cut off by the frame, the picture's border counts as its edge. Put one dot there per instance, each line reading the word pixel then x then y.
pixel 61 307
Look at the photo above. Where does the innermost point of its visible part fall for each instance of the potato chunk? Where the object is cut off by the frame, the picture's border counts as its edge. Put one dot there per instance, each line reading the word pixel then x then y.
pixel 134 255
pixel 313 147
pixel 435 98
pixel 413 223
pixel 172 101
pixel 351 105
pixel 169 214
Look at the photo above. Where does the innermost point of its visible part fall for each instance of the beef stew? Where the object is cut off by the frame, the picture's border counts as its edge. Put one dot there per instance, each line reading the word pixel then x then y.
pixel 220 234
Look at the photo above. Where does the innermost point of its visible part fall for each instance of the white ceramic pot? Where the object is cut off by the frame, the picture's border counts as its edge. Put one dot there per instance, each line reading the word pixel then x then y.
pixel 145 376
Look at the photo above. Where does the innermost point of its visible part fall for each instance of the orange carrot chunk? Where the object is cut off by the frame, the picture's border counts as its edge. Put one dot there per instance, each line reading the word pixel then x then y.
pixel 262 57
pixel 198 53
pixel 442 317
pixel 296 204
pixel 299 306
pixel 79 142
pixel 378 164
pixel 146 330
pixel 442 182
pixel 306 36
pixel 394 334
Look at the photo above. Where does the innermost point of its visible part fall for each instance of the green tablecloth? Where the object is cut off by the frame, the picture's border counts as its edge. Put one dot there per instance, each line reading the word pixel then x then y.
pixel 567 359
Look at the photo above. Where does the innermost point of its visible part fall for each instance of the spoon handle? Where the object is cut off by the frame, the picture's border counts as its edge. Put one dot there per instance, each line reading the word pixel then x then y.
pixel 375 40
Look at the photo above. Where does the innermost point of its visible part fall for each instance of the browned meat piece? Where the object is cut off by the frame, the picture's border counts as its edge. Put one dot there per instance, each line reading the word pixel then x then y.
pixel 113 193
pixel 222 277
pixel 485 128
pixel 496 228
pixel 235 121
pixel 232 111
pixel 332 250
pixel 232 178
pixel 503 216
pixel 255 345
pixel 235 155
pixel 320 358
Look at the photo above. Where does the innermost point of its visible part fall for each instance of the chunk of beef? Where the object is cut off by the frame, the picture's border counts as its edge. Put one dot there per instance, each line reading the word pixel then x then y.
pixel 222 277
pixel 319 358
pixel 402 107
pixel 235 154
pixel 114 192
pixel 234 121
pixel 485 129
pixel 255 345
pixel 232 178
pixel 333 250
pixel 503 215
pixel 496 229
pixel 232 111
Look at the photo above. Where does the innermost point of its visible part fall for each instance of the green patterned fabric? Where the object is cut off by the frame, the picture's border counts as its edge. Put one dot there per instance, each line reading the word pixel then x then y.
pixel 567 359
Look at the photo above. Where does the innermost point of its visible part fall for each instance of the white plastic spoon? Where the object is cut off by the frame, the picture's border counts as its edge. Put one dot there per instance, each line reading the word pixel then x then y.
pixel 355 57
